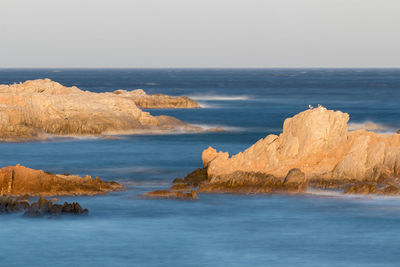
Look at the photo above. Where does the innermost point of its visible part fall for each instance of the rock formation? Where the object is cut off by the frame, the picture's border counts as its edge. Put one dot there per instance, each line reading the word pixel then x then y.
pixel 18 181
pixel 181 188
pixel 39 108
pixel 143 100
pixel 40 208
pixel 172 194
pixel 314 148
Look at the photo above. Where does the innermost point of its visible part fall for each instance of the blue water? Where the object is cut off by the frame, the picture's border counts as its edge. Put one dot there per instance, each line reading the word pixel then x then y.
pixel 123 229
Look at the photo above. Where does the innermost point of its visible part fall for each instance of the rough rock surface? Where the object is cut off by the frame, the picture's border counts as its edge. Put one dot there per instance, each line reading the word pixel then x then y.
pixel 257 183
pixel 40 208
pixel 181 189
pixel 318 143
pixel 36 109
pixel 172 194
pixel 196 177
pixel 372 188
pixel 143 100
pixel 19 180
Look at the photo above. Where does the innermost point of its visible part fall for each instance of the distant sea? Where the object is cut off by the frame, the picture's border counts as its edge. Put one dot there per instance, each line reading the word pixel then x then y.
pixel 123 229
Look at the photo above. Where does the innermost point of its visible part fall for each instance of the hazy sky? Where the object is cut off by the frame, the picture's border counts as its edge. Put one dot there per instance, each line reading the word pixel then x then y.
pixel 199 33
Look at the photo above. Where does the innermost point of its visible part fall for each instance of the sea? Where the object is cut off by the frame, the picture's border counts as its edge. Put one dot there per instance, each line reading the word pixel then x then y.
pixel 124 229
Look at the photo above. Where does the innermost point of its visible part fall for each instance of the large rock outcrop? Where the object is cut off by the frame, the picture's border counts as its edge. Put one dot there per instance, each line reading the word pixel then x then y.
pixel 317 143
pixel 39 108
pixel 19 180
pixel 144 100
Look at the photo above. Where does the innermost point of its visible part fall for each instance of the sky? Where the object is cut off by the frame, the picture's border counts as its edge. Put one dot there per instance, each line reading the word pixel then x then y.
pixel 199 33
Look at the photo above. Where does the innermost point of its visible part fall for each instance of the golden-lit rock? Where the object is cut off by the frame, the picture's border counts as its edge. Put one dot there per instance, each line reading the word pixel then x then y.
pixel 143 100
pixel 19 181
pixel 41 108
pixel 317 143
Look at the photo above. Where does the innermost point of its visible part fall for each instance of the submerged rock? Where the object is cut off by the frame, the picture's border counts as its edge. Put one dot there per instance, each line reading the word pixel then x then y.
pixel 172 194
pixel 37 109
pixel 18 181
pixel 40 208
pixel 11 205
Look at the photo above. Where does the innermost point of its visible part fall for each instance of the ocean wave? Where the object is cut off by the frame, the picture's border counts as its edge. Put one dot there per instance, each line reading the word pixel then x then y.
pixel 226 128
pixel 220 97
pixel 339 194
pixel 372 126
pixel 320 192
pixel 207 105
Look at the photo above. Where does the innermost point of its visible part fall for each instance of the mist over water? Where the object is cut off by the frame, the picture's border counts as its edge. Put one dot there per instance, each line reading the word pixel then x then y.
pixel 123 229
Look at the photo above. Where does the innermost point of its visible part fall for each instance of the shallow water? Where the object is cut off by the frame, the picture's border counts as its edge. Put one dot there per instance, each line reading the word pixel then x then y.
pixel 123 229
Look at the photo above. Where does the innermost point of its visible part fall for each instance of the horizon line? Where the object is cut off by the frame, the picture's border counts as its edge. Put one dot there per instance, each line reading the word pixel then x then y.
pixel 193 68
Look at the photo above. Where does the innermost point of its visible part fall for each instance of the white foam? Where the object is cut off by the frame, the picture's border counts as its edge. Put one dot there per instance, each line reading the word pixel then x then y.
pixel 208 105
pixel 379 199
pixel 321 192
pixel 220 97
pixel 226 128
pixel 371 126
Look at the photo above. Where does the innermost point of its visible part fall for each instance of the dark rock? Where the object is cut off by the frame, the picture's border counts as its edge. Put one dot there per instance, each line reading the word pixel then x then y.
pixel 390 190
pixel 178 181
pixel 24 204
pixel 56 209
pixel 257 183
pixel 40 208
pixel 33 213
pixel 44 204
pixel 196 177
pixel 10 205
pixel 33 210
pixel 172 195
pixel 296 180
pixel 180 187
pixel 34 206
pixel 331 183
pixel 73 208
pixel 362 188
pixel 366 187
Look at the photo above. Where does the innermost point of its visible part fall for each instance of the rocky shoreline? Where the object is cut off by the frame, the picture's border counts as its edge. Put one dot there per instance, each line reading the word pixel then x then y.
pixel 37 109
pixel 315 150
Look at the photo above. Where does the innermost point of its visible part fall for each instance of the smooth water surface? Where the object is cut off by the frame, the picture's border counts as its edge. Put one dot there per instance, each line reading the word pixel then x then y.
pixel 123 229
